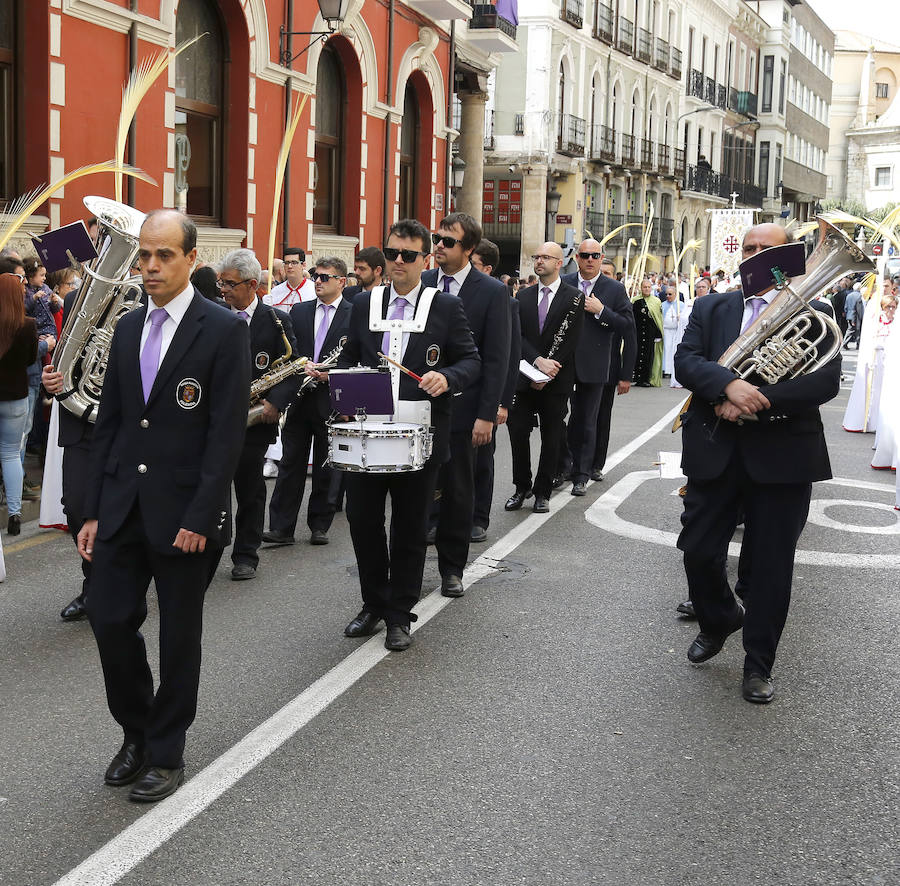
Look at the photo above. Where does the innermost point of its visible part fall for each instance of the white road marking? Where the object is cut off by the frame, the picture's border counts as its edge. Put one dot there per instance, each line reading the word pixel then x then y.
pixel 603 514
pixel 129 848
pixel 817 515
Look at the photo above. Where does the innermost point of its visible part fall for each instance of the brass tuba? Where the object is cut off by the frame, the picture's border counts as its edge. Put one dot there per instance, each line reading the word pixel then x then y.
pixel 107 293
pixel 784 341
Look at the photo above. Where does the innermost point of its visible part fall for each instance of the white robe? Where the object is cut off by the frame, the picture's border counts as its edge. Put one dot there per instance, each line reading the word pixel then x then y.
pixel 861 415
pixel 887 434
pixel 52 515
pixel 682 321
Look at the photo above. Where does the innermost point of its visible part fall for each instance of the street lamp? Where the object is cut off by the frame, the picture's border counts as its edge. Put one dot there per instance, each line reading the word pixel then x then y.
pixel 333 12
pixel 458 173
pixel 553 198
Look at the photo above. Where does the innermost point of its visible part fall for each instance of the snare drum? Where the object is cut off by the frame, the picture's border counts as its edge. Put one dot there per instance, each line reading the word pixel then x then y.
pixel 378 447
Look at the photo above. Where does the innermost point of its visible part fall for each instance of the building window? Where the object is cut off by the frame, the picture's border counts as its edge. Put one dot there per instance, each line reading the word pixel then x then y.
pixel 781 87
pixel 199 116
pixel 768 75
pixel 881 90
pixel 7 100
pixel 331 96
pixel 764 167
pixel 409 146
pixel 882 176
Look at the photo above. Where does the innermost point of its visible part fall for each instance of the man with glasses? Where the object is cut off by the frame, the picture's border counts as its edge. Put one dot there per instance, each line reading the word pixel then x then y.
pixel 552 315
pixel 444 355
pixel 604 363
pixel 296 287
pixel 474 412
pixel 239 274
pixel 320 326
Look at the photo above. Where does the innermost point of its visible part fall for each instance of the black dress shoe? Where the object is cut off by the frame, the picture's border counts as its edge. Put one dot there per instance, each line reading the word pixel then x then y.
pixel 431 535
pixel 126 766
pixel 517 499
pixel 75 610
pixel 686 609
pixel 452 586
pixel 156 784
pixel 596 474
pixel 579 489
pixel 318 537
pixel 479 534
pixel 242 571
pixel 277 538
pixel 758 689
pixel 558 481
pixel 397 638
pixel 14 525
pixel 541 505
pixel 708 645
pixel 363 625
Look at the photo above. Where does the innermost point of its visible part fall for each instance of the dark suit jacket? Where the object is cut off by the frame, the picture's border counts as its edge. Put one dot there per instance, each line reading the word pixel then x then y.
pixel 515 353
pixel 458 360
pixel 568 302
pixel 350 292
pixel 600 357
pixel 787 444
pixel 315 400
pixel 486 302
pixel 188 436
pixel 266 346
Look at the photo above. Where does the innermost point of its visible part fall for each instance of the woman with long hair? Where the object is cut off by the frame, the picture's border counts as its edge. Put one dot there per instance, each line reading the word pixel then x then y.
pixel 18 350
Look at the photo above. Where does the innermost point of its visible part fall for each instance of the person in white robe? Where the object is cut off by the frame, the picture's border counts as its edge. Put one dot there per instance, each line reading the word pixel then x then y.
pixel 887 433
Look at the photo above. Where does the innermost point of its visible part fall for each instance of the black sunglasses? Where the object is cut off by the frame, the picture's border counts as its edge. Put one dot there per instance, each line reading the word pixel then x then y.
pixel 324 277
pixel 408 255
pixel 587 255
pixel 449 242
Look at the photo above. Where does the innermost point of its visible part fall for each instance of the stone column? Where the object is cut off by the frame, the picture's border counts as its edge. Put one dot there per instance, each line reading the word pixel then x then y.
pixel 471 149
pixel 534 215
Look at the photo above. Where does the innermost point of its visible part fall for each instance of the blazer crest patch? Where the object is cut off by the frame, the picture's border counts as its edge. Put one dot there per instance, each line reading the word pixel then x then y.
pixel 188 393
pixel 262 360
pixel 432 355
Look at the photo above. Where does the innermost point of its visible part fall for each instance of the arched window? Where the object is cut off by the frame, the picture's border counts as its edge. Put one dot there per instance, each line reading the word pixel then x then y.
pixel 410 134
pixel 614 109
pixel 331 98
pixel 200 104
pixel 561 107
pixel 7 99
pixel 634 113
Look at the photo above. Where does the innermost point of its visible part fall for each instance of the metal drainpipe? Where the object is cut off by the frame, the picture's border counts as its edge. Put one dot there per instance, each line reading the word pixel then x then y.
pixel 132 130
pixel 389 92
pixel 451 77
pixel 286 199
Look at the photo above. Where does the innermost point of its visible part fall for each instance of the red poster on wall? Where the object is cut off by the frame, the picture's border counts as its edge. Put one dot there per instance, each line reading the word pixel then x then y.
pixel 515 185
pixel 487 213
pixel 503 197
pixel 515 213
pixel 504 186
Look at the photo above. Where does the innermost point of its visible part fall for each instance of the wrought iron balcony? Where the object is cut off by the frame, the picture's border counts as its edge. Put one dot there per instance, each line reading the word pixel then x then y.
pixel 746 103
pixel 721 94
pixel 661 57
pixel 615 220
pixel 678 165
pixel 593 222
pixel 709 90
pixel 647 153
pixel 603 144
pixel 748 193
pixel 663 155
pixel 675 63
pixel 572 11
pixel 604 23
pixel 625 35
pixel 628 156
pixel 663 236
pixel 484 17
pixel 644 47
pixel 695 84
pixel 702 180
pixel 570 135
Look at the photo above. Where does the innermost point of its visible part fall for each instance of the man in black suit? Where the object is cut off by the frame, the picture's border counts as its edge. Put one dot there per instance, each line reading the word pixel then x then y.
pixel 368 269
pixel 765 467
pixel 271 335
pixel 166 444
pixel 444 355
pixel 486 302
pixel 604 364
pixel 552 315
pixel 320 326
pixel 486 258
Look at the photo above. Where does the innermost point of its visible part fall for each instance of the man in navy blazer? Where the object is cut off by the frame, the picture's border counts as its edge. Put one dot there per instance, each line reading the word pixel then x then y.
pixel 445 357
pixel 475 411
pixel 305 424
pixel 765 467
pixel 172 418
pixel 604 363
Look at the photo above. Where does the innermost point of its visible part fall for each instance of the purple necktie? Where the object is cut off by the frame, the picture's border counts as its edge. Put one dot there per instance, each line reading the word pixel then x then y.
pixel 447 283
pixel 323 331
pixel 397 314
pixel 543 307
pixel 152 347
pixel 585 286
pixel 244 316
pixel 757 305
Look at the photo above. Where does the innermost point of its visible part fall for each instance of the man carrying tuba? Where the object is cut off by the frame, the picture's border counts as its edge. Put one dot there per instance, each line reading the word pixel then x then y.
pixel 765 467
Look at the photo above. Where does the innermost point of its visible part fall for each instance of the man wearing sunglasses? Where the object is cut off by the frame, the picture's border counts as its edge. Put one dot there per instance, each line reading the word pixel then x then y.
pixel 319 325
pixel 486 302
pixel 444 355
pixel 604 363
pixel 239 274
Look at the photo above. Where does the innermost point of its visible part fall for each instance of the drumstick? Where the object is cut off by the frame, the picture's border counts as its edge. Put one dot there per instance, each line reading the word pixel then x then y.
pixel 401 367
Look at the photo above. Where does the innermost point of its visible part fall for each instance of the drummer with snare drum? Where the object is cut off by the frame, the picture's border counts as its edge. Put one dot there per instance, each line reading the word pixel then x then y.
pixel 426 331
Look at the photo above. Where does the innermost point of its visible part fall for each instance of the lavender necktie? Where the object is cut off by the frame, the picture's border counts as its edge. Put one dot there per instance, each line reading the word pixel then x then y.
pixel 543 307
pixel 447 283
pixel 152 347
pixel 323 331
pixel 585 287
pixel 397 314
pixel 244 316
pixel 757 305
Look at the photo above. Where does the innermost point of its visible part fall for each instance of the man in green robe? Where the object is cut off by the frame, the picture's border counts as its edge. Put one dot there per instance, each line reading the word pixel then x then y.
pixel 648 321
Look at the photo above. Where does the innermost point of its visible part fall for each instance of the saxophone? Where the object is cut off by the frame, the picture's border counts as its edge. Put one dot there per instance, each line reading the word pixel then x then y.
pixel 281 369
pixel 106 295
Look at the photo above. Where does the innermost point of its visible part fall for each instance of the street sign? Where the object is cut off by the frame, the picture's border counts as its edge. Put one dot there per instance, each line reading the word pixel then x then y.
pixel 876 249
pixel 564 219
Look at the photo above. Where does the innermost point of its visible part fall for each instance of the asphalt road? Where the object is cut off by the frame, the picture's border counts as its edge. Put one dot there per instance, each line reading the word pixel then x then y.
pixel 546 728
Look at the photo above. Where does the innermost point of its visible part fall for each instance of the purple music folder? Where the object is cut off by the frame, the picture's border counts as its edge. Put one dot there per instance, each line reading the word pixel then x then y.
pixel 57 248
pixel 352 390
pixel 756 271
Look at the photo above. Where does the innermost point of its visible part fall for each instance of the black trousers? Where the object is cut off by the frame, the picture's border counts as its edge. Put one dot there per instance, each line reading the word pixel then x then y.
pixel 117 607
pixel 582 430
pixel 484 482
pixel 302 430
pixel 390 578
pixel 250 493
pixel 774 517
pixel 604 420
pixel 456 483
pixel 75 471
pixel 551 411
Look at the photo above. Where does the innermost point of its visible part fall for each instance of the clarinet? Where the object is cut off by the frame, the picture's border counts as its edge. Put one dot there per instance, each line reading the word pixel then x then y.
pixel 560 334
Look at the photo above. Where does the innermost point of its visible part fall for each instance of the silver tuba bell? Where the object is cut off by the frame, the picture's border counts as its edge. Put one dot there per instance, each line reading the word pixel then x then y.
pixel 107 293
pixel 789 338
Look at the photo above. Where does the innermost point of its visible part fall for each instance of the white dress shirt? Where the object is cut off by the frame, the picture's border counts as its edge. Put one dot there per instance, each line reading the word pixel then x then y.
pixel 176 310
pixel 321 314
pixel 554 286
pixel 456 280
pixel 748 308
pixel 409 312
